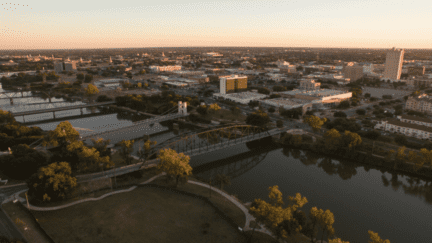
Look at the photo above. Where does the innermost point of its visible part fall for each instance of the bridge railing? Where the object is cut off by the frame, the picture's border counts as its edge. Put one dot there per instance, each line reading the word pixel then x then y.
pixel 140 123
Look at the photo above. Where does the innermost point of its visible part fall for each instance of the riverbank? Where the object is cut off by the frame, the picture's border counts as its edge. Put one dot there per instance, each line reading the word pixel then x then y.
pixel 373 160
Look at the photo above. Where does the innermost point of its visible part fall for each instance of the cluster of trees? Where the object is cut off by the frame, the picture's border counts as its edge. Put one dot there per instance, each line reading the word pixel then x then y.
pixel 294 113
pixel 12 133
pixel 156 104
pixel 210 109
pixel 176 166
pixel 284 221
pixel 344 105
pixel 314 122
pixel 263 90
pixel 343 124
pixel 258 118
pixel 22 79
pixel 417 159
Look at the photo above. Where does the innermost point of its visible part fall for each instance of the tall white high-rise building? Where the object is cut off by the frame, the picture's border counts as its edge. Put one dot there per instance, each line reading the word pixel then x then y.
pixel 393 65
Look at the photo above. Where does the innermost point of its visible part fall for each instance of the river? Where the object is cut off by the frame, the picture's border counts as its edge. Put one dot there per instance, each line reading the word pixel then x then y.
pixel 397 207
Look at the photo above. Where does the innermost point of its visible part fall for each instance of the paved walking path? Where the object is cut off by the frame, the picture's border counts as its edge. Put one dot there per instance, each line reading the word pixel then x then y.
pixel 249 217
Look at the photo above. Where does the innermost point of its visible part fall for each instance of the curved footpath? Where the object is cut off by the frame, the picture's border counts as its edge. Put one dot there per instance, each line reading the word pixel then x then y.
pixel 249 217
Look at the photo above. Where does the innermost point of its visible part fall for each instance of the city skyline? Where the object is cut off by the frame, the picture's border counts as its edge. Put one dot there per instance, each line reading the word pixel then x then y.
pixel 192 23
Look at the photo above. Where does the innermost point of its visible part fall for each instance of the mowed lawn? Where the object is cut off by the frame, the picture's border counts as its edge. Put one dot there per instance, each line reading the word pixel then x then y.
pixel 145 214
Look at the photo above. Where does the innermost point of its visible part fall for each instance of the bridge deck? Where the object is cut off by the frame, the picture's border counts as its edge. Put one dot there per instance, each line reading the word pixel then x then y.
pixel 24 113
pixel 136 130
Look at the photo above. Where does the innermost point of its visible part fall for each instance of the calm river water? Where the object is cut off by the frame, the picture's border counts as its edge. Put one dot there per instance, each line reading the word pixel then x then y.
pixel 398 207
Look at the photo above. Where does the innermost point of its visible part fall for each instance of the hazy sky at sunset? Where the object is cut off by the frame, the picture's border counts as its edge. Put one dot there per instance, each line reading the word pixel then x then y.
pixel 49 24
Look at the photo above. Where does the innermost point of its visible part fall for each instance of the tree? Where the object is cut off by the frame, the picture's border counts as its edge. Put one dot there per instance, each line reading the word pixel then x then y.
pixel 400 156
pixel 338 240
pixel 326 221
pixel 235 110
pixel 63 135
pixel 146 149
pixel 344 105
pixel 6 117
pixel 264 91
pixel 253 103
pixel 257 118
pixel 101 146
pixel 277 219
pixel 91 90
pixel 126 148
pixel 213 108
pixel 314 122
pixel 374 237
pixel 88 78
pixel 367 95
pixel 51 183
pixel 80 76
pixel 23 162
pixel 390 155
pixel 103 98
pixel 202 110
pixel 271 110
pixel 351 140
pixel 174 164
pixel 222 180
pixel 361 112
pixel 340 114
pixel 332 139
pixel 279 123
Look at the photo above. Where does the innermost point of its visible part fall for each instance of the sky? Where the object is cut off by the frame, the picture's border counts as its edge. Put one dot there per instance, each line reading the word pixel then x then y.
pixel 79 24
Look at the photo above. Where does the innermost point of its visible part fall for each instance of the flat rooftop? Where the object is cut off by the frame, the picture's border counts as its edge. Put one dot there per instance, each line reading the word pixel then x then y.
pixel 286 102
pixel 246 95
pixel 314 93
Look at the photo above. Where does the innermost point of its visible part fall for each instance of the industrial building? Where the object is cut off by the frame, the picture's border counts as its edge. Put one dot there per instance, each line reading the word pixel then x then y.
pixel 393 65
pixel 326 97
pixel 233 83
pixel 242 98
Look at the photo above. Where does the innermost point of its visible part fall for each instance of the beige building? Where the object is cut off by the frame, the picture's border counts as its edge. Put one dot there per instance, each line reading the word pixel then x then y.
pixel 233 83
pixel 393 65
pixel 70 66
pixel 309 84
pixel 352 71
pixel 421 103
pixel 411 126
pixel 165 68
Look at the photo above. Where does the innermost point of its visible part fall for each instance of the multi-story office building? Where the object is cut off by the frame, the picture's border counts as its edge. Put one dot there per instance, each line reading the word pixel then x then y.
pixel 393 65
pixel 352 71
pixel 233 83
pixel 421 103
pixel 58 67
pixel 309 84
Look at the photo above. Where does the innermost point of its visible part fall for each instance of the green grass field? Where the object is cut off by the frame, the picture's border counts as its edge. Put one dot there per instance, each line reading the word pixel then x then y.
pixel 142 215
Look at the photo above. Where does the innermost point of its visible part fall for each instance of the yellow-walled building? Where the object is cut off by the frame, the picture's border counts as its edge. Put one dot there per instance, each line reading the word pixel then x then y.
pixel 233 83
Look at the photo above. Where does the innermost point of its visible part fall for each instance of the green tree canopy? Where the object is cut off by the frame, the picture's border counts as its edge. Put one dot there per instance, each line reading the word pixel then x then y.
pixel 62 135
pixel 52 183
pixel 174 165
pixel 126 148
pixel 258 118
pixel 91 90
pixel 314 122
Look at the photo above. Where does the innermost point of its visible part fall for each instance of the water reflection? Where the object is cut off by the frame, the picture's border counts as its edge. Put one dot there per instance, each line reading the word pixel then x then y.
pixel 346 170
